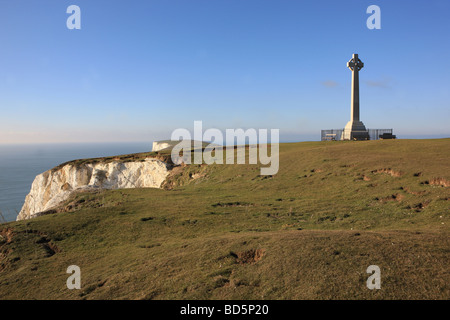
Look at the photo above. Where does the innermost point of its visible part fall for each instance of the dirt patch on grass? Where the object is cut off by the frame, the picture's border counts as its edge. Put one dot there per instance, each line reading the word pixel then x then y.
pixel 419 206
pixel 220 281
pixel 408 190
pixel 232 204
pixel 362 177
pixel 439 182
pixel 46 243
pixel 394 197
pixel 389 171
pixel 149 246
pixel 6 235
pixel 171 179
pixel 184 174
pixel 196 176
pixel 249 256
pixel 50 249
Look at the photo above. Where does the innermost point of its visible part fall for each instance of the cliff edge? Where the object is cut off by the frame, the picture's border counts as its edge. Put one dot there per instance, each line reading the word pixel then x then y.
pixel 51 188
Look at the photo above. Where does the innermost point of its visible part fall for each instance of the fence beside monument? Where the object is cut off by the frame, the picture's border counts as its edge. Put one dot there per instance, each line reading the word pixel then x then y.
pixel 331 135
pixel 336 134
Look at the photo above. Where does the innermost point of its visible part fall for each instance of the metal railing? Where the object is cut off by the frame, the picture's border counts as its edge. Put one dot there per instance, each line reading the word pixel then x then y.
pixel 336 134
pixel 331 135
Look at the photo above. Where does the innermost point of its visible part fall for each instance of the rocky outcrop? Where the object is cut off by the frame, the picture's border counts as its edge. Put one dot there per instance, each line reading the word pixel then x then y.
pixel 52 187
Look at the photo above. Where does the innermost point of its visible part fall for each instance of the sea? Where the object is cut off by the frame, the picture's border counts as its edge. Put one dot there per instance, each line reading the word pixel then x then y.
pixel 20 164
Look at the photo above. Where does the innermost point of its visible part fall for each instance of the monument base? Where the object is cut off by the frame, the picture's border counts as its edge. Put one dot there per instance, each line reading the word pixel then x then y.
pixel 355 130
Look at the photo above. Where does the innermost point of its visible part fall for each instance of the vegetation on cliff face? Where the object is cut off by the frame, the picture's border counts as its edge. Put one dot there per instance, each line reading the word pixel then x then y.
pixel 224 231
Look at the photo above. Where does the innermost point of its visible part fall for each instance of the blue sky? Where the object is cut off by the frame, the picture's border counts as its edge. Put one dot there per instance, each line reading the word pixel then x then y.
pixel 137 70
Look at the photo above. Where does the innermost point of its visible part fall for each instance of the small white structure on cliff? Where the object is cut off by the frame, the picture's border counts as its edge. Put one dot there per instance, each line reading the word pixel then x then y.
pixel 161 145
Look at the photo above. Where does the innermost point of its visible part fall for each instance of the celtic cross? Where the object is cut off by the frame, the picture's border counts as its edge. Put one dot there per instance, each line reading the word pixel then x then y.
pixel 355 65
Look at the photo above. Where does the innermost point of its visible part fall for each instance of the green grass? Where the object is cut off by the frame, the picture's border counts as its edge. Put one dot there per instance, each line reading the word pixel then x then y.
pixel 225 232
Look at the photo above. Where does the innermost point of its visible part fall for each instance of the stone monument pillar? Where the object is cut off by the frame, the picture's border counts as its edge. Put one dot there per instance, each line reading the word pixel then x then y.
pixel 355 129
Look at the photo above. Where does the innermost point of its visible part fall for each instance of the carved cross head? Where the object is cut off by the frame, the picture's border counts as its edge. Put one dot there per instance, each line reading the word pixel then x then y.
pixel 355 62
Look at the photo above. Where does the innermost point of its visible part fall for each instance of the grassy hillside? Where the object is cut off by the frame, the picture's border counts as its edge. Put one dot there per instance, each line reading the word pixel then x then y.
pixel 225 232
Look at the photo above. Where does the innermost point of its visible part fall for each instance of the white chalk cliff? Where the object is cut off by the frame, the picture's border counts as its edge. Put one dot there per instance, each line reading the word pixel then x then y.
pixel 161 145
pixel 52 187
